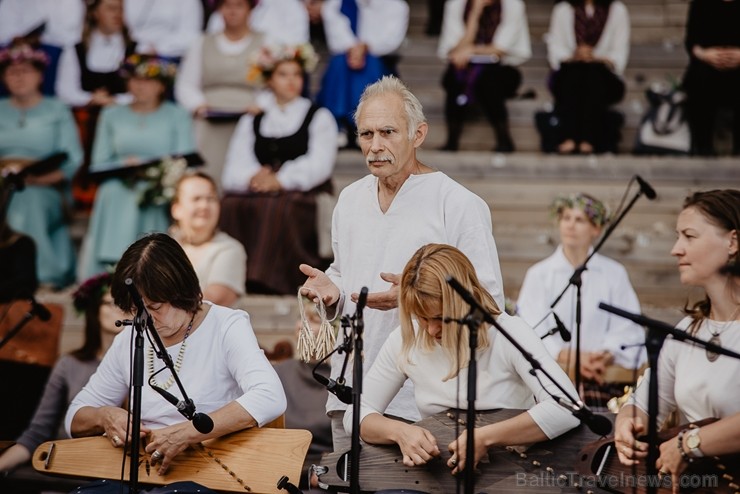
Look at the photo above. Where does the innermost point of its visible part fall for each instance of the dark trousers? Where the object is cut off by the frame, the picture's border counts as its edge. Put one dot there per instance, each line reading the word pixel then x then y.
pixel 485 85
pixel 708 90
pixel 583 93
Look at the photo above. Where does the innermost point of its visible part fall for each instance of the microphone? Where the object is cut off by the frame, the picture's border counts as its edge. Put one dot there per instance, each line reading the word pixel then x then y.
pixel 362 300
pixel 598 424
pixel 341 391
pixel 645 188
pixel 564 333
pixel 202 422
pixel 40 311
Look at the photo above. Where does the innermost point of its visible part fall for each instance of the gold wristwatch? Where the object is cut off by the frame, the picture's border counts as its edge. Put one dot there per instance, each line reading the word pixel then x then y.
pixel 692 442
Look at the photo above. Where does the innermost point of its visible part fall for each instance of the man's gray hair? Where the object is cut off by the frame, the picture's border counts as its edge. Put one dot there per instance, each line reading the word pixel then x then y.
pixel 392 85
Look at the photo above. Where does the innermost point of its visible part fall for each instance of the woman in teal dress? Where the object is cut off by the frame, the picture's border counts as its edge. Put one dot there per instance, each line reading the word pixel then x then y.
pixel 32 127
pixel 148 128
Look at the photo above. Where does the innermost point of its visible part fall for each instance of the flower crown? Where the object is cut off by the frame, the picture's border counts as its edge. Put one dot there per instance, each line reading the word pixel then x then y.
pixel 149 67
pixel 91 291
pixel 269 57
pixel 23 53
pixel 595 210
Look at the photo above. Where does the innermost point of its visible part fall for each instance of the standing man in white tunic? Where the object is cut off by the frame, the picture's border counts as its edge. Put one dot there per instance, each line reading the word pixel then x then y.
pixel 383 218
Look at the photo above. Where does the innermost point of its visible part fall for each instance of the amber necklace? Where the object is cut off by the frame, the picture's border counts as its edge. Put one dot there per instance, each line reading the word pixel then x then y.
pixel 178 361
pixel 711 356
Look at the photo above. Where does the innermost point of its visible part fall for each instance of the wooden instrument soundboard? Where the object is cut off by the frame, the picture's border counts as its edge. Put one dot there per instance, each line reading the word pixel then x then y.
pixel 257 457
pixel 547 467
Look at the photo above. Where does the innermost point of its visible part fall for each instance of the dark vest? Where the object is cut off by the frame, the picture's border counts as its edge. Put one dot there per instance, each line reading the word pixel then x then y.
pixel 90 81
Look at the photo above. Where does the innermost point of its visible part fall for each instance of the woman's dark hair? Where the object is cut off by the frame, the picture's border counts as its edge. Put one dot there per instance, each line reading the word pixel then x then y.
pixel 160 271
pixel 91 24
pixel 89 298
pixel 722 209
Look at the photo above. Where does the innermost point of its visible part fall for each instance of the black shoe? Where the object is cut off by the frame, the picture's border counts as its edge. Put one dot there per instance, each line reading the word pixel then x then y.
pixel 505 146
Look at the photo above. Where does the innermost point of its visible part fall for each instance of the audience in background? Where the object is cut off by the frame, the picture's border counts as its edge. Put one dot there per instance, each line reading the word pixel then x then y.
pixel 166 27
pixel 212 82
pixel 483 41
pixel 580 219
pixel 219 261
pixel 148 128
pixel 18 270
pixel 276 165
pixel 362 37
pixel 89 72
pixel 712 78
pixel 33 127
pixel 587 46
pixel 61 20
pixel 282 22
pixel 72 371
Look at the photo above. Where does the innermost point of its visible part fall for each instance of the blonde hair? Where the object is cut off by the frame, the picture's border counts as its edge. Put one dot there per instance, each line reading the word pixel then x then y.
pixel 424 285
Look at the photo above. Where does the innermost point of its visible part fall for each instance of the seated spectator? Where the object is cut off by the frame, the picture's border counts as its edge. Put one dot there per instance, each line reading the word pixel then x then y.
pixel 148 128
pixel 18 270
pixel 166 27
pixel 213 84
pixel 282 22
pixel 89 72
pixel 362 38
pixel 712 78
pixel 277 163
pixel 307 397
pixel 580 220
pixel 587 47
pixel 219 261
pixel 33 127
pixel 71 372
pixel 483 41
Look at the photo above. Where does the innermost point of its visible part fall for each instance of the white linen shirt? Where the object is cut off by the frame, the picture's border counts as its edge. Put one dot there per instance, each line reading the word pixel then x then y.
pixel 691 384
pixel 605 280
pixel 63 18
pixel 381 25
pixel 167 27
pixel 222 363
pixel 428 208
pixel 303 173
pixel 613 45
pixel 511 36
pixel 283 22
pixel 503 379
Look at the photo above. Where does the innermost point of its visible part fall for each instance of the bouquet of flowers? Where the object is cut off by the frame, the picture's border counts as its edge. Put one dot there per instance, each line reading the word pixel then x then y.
pixel 161 181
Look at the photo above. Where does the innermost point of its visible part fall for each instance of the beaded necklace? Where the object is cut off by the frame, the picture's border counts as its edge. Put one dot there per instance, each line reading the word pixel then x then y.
pixel 178 361
pixel 711 356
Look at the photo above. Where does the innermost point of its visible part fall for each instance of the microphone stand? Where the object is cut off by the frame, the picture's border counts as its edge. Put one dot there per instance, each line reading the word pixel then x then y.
pixel 19 325
pixel 473 322
pixel 137 384
pixel 656 335
pixel 357 333
pixel 576 280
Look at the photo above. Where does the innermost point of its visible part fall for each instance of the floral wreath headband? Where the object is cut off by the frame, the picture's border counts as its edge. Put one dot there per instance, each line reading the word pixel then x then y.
pixel 268 57
pixel 595 210
pixel 149 67
pixel 91 291
pixel 23 53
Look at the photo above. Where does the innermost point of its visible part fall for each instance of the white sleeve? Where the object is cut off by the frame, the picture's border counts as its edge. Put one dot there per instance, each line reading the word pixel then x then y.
pixel 69 83
pixel 453 27
pixel 560 35
pixel 617 45
pixel 264 397
pixel 189 22
pixel 281 21
pixel 339 35
pixel 64 22
pixel 512 35
pixel 241 162
pixel 383 25
pixel 666 380
pixel 384 380
pixel 533 306
pixel 552 418
pixel 316 166
pixel 110 383
pixel 188 91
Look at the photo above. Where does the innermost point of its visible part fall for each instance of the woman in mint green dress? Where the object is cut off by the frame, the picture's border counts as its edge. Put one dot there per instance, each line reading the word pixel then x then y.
pixel 147 128
pixel 32 127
